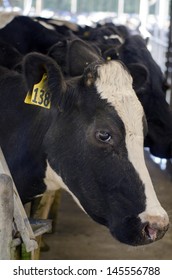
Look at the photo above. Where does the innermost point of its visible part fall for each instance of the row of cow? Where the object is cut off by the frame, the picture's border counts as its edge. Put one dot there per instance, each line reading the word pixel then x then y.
pixel 111 42
pixel 70 118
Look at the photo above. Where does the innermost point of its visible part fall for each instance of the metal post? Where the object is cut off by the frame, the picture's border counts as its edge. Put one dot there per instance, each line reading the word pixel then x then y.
pixel 19 214
pixel 143 11
pixel 38 7
pixel 120 8
pixel 6 216
pixel 27 4
pixel 168 72
pixel 73 6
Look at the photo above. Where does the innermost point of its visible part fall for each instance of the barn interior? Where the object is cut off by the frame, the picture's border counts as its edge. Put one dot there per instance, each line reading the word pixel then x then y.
pixel 75 235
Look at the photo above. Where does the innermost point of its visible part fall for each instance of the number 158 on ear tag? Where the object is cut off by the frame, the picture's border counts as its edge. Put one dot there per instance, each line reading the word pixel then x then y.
pixel 39 95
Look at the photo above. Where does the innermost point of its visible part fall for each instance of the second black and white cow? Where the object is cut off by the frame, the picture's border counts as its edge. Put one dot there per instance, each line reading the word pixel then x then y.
pixel 152 96
pixel 85 136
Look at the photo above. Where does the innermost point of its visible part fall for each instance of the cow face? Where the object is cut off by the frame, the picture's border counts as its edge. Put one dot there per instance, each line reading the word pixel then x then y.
pixel 104 36
pixel 94 148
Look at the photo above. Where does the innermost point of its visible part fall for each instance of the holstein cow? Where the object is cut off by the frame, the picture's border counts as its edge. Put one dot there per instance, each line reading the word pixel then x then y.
pixel 85 136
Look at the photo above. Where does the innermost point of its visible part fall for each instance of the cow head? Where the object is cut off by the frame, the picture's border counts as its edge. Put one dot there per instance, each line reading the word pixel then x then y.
pixel 94 148
pixel 74 55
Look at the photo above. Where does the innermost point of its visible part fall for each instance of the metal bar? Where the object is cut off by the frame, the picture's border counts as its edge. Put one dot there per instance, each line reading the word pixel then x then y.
pixel 168 73
pixel 39 227
pixel 20 217
pixel 6 216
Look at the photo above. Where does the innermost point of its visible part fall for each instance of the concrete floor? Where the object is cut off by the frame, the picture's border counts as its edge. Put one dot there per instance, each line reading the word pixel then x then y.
pixel 78 237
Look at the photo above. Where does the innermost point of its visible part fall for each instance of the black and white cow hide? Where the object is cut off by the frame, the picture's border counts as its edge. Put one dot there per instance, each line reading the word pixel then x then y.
pixel 86 136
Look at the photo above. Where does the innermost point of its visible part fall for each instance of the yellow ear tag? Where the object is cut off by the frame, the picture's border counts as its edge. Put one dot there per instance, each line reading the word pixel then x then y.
pixel 108 58
pixel 39 95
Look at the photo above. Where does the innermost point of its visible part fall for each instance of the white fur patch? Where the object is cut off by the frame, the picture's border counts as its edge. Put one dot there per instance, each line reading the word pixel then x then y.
pixel 45 24
pixel 114 36
pixel 115 85
pixel 54 182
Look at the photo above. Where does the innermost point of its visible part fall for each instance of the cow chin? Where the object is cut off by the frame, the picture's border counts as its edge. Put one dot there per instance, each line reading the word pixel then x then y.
pixel 135 233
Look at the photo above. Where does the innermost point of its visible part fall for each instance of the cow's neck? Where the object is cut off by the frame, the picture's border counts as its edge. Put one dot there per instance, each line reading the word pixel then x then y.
pixel 54 182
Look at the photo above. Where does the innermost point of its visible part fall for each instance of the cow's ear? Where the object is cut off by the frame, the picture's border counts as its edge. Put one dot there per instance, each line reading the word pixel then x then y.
pixel 36 67
pixel 139 74
pixel 59 53
pixel 80 55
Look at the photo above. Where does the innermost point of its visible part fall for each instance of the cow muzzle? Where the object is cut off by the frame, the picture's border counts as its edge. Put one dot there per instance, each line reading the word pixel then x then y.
pixel 140 230
pixel 155 227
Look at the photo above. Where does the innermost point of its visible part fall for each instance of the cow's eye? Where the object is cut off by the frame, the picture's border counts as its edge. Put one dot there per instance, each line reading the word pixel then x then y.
pixel 103 136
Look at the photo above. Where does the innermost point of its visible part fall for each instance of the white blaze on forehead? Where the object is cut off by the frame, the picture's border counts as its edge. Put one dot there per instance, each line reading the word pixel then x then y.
pixel 115 84
pixel 114 36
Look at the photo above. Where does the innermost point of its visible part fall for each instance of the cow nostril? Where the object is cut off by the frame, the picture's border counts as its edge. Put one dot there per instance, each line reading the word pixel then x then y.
pixel 151 232
pixel 154 231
